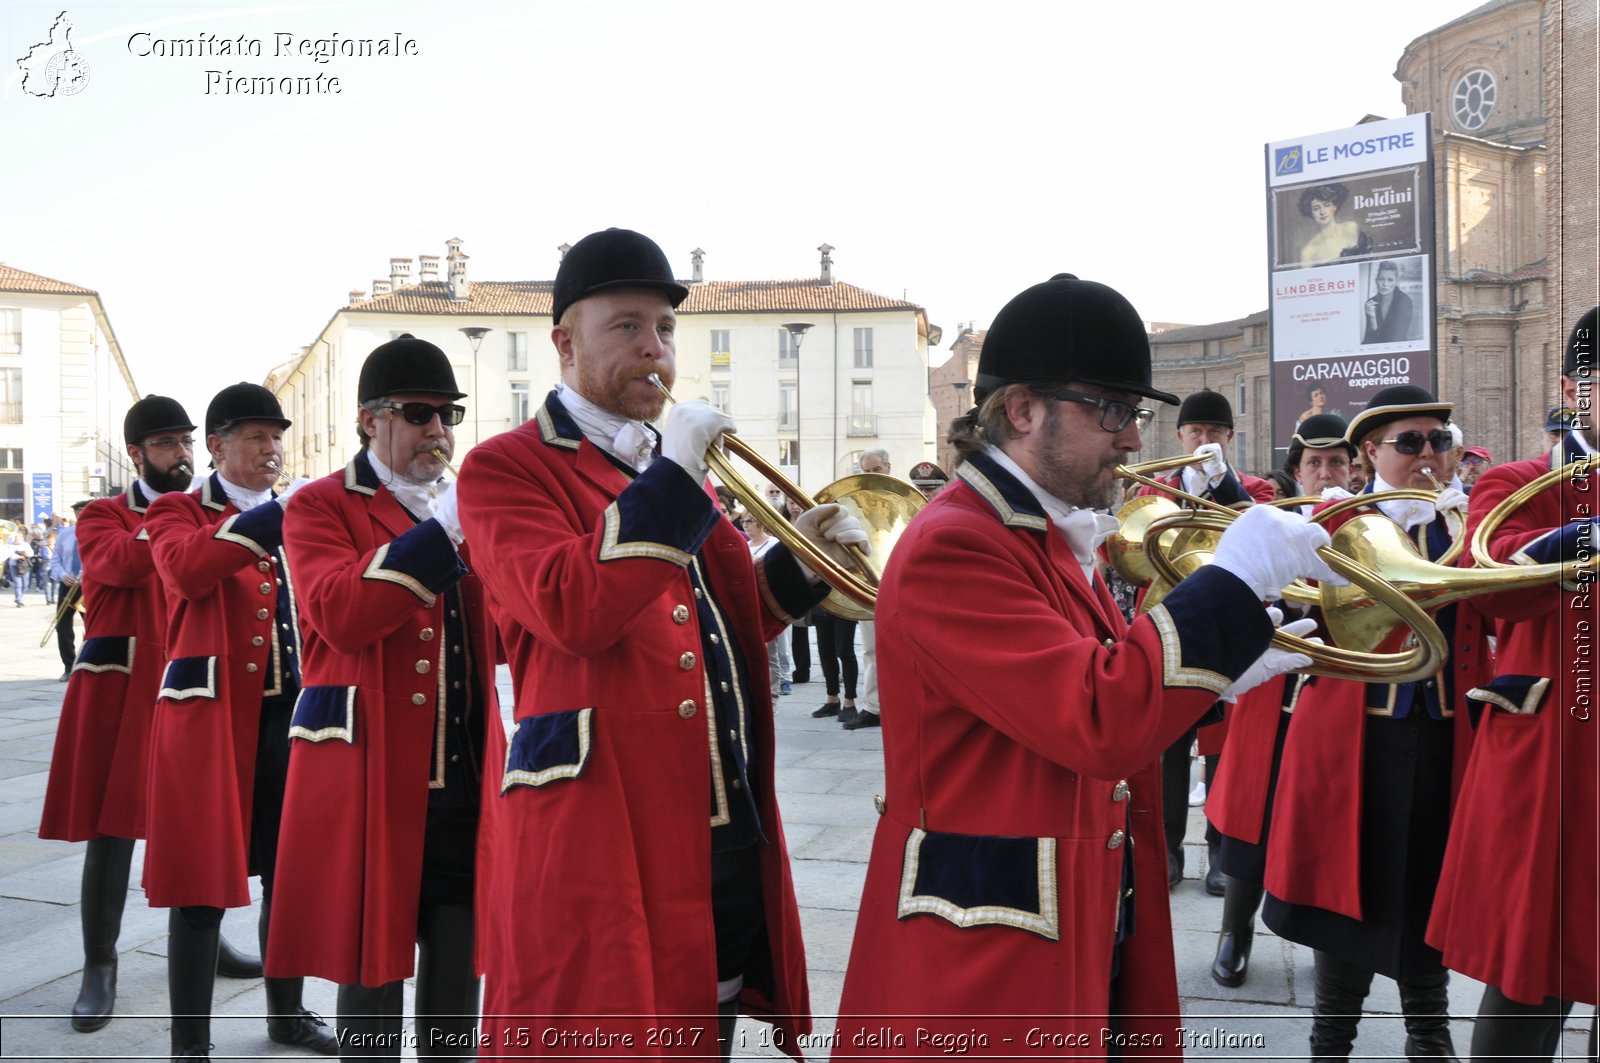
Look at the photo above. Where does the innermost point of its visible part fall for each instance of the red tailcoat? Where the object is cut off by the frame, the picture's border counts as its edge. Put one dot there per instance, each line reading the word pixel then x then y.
pixel 1314 854
pixel 225 643
pixel 1023 722
pixel 369 585
pixel 595 898
pixel 1519 896
pixel 99 772
pixel 1236 803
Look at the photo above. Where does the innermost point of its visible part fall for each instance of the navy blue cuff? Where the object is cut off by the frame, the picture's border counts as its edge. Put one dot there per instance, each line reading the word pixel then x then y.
pixel 1573 542
pixel 1230 492
pixel 663 514
pixel 259 530
pixel 1212 627
pixel 422 560
pixel 784 586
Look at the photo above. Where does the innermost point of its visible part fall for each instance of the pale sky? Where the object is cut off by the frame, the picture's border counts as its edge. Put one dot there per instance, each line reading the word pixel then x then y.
pixel 953 153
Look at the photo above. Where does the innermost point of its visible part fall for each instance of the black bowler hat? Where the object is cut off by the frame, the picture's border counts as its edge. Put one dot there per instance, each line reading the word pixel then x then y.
pixel 1394 404
pixel 1580 346
pixel 404 364
pixel 243 402
pixel 152 414
pixel 1066 329
pixel 1206 407
pixel 615 258
pixel 1318 432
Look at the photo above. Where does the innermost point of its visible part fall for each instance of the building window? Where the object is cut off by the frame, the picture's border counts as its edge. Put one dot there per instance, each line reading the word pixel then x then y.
pixel 517 355
pixel 863 346
pixel 863 422
pixel 788 406
pixel 722 348
pixel 789 452
pixel 13 501
pixel 787 350
pixel 1472 102
pixel 10 330
pixel 519 404
pixel 721 397
pixel 1240 394
pixel 11 395
pixel 1241 451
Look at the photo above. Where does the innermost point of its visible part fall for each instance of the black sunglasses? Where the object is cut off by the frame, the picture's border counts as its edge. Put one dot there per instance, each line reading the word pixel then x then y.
pixel 1114 415
pixel 1410 443
pixel 420 413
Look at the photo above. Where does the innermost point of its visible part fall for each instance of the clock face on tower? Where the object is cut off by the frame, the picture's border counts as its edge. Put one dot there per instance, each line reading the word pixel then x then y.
pixel 1472 101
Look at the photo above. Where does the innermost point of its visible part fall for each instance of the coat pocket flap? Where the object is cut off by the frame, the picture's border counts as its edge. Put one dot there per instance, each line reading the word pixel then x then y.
pixel 1520 695
pixel 548 747
pixel 189 677
pixel 321 713
pixel 979 880
pixel 106 653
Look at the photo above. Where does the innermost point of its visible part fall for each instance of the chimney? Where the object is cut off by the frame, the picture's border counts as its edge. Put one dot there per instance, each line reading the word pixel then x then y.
pixel 458 275
pixel 380 287
pixel 564 248
pixel 399 273
pixel 827 263
pixel 427 269
pixel 698 258
pixel 356 295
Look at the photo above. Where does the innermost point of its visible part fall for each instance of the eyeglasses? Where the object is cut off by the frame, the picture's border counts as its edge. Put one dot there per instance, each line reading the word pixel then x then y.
pixel 1473 459
pixel 170 443
pixel 420 413
pixel 1410 443
pixel 1114 415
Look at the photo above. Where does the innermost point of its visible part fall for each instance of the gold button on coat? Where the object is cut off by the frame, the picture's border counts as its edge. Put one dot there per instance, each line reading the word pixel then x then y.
pixel 265 588
pixel 1115 841
pixel 686 662
pixel 258 641
pixel 686 709
pixel 426 634
pixel 252 667
pixel 680 614
pixel 418 699
pixel 423 667
pixel 261 614
pixel 264 566
pixel 1120 791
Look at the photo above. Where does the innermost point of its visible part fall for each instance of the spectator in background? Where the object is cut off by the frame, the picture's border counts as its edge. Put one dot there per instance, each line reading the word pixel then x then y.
pixel 1557 423
pixel 1475 461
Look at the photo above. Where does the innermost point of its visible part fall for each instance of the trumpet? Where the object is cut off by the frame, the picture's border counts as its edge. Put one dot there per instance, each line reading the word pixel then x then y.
pixel 71 598
pixel 883 504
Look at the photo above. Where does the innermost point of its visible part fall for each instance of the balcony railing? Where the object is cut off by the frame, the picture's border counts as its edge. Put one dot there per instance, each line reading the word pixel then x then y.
pixel 10 413
pixel 863 426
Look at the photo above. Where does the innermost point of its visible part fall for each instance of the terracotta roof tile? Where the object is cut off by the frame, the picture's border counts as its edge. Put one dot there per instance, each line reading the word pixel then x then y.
pixel 16 280
pixel 1220 330
pixel 710 297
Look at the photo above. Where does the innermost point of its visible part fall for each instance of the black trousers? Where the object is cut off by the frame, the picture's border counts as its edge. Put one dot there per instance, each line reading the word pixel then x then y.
pixel 800 644
pixel 836 645
pixel 66 642
pixel 1175 795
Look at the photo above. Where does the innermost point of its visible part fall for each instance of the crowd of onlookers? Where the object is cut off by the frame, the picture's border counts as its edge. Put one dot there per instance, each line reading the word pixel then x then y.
pixel 29 549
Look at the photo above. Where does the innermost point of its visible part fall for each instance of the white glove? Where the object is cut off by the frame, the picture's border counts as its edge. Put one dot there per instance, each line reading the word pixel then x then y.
pixel 1450 498
pixel 1274 662
pixel 1335 494
pixel 1269 548
pixel 443 507
pixel 692 426
pixel 1209 473
pixel 294 485
pixel 832 527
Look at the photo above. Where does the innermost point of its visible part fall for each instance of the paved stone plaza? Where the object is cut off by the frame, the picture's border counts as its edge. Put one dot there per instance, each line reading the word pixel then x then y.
pixel 826 777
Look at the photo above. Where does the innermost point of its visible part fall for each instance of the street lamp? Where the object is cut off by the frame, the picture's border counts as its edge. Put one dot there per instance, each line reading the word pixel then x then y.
pixel 475 335
pixel 797 331
pixel 961 397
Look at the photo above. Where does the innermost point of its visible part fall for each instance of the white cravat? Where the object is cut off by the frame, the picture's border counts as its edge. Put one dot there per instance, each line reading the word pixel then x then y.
pixel 410 494
pixel 631 442
pixel 1406 512
pixel 244 501
pixel 1083 529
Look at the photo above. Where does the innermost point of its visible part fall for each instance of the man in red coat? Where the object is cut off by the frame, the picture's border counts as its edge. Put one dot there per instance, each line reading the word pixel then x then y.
pixel 638 883
pixel 1205 425
pixel 1362 805
pixel 395 723
pixel 1239 800
pixel 220 743
pixel 1014 896
pixel 100 769
pixel 1518 905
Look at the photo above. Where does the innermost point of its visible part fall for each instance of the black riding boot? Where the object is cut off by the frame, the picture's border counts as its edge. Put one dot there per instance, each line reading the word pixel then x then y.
pixel 104 892
pixel 1509 1029
pixel 191 973
pixel 231 963
pixel 1239 904
pixel 1426 1004
pixel 447 987
pixel 370 1020
pixel 1341 988
pixel 288 1023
